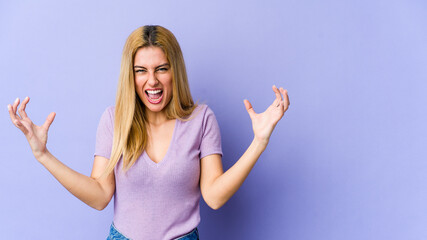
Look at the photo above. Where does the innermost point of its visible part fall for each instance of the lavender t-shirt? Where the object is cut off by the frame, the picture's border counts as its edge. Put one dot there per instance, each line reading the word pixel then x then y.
pixel 161 200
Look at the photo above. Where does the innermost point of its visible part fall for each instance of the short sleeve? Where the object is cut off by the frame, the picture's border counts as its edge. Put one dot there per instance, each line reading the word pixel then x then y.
pixel 211 135
pixel 104 134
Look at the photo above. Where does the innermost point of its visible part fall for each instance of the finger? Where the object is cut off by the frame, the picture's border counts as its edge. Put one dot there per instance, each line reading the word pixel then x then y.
pixel 22 107
pixel 14 107
pixel 49 121
pixel 286 97
pixel 278 98
pixel 249 108
pixel 277 93
pixel 21 127
pixel 15 120
pixel 13 117
pixel 276 102
pixel 285 103
pixel 12 114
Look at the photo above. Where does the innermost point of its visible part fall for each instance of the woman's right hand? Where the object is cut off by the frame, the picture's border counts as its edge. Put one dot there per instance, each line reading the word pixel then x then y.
pixel 36 135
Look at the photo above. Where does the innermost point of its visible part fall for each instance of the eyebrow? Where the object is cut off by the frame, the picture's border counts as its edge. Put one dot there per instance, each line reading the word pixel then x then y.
pixel 162 65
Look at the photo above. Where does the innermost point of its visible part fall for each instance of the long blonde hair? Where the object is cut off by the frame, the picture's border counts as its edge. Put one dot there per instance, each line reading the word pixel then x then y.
pixel 130 124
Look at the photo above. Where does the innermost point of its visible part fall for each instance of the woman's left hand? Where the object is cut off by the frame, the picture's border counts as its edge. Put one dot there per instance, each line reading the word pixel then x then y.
pixel 264 123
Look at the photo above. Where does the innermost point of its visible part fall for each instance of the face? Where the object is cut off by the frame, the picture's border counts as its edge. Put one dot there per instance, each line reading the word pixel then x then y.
pixel 153 78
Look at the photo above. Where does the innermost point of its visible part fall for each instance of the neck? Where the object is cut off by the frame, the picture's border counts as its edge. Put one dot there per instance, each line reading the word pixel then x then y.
pixel 156 118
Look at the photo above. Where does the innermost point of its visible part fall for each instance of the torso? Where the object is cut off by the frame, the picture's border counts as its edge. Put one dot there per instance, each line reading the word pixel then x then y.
pixel 161 200
pixel 159 140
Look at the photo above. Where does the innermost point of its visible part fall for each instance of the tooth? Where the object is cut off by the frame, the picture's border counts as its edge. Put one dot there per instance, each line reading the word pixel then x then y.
pixel 153 91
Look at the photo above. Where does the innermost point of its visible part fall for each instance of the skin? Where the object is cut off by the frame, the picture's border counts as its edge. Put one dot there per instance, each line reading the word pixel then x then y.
pixel 153 72
pixel 218 187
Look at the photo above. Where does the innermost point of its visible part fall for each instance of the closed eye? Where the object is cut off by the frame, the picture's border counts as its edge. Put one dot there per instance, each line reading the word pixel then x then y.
pixel 163 69
pixel 140 70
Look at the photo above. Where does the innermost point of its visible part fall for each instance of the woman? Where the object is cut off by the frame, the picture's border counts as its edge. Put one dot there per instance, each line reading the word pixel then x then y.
pixel 156 151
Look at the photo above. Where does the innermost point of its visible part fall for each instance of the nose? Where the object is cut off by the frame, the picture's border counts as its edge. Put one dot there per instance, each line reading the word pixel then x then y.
pixel 152 79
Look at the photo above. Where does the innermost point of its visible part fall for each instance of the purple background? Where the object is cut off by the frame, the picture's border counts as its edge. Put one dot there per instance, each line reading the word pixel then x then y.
pixel 348 161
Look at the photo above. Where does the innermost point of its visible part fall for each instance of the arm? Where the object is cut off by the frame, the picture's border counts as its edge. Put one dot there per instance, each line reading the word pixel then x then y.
pixel 218 187
pixel 94 191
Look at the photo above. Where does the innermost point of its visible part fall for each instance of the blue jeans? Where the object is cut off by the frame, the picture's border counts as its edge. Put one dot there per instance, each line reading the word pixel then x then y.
pixel 116 235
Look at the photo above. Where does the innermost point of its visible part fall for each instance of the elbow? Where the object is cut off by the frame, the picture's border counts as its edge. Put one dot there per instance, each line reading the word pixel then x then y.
pixel 215 204
pixel 99 205
pixel 215 207
pixel 102 201
pixel 214 199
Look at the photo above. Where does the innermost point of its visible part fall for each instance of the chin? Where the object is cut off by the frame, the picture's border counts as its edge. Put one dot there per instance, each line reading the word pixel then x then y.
pixel 160 107
pixel 154 109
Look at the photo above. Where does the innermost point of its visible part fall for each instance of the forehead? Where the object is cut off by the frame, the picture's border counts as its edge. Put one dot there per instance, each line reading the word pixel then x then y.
pixel 150 57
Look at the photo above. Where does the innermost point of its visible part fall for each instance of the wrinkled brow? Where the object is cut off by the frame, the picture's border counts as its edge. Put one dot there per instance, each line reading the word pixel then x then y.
pixel 162 65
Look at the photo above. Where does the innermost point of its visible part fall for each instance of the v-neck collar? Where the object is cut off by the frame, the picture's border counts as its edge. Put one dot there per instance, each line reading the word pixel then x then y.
pixel 150 161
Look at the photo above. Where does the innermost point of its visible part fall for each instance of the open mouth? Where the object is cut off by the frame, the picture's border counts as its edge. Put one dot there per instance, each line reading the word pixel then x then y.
pixel 154 96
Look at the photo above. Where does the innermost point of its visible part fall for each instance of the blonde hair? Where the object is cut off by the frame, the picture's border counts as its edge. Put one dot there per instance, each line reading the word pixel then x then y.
pixel 130 124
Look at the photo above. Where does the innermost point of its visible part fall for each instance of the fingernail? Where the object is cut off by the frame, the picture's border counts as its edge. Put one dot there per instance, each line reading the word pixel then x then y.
pixel 8 107
pixel 16 100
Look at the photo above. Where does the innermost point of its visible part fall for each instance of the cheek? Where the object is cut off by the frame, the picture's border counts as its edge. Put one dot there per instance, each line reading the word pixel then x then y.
pixel 139 83
pixel 168 83
pixel 138 87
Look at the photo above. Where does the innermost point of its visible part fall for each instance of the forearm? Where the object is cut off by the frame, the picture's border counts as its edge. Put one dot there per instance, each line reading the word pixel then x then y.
pixel 224 187
pixel 83 187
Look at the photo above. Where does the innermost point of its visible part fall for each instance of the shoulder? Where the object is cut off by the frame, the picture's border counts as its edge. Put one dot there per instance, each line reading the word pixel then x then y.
pixel 204 115
pixel 107 117
pixel 201 111
pixel 106 123
pixel 201 124
pixel 109 112
pixel 200 115
pixel 110 109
